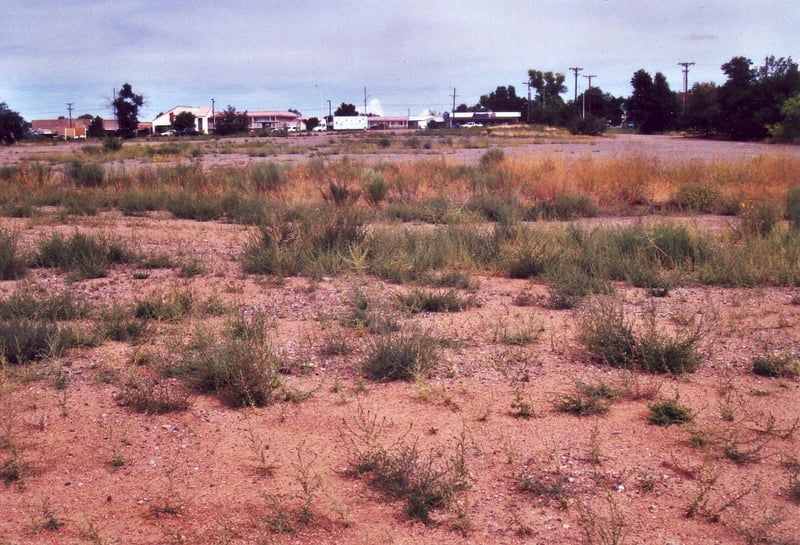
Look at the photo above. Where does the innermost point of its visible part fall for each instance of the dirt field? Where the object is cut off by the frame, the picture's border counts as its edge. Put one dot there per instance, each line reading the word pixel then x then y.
pixel 94 471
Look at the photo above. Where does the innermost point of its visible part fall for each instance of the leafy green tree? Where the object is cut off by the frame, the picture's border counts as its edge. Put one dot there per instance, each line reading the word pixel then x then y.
pixel 184 120
pixel 788 130
pixel 96 129
pixel 229 121
pixel 126 106
pixel 547 107
pixel 503 99
pixel 702 109
pixel 346 110
pixel 652 106
pixel 750 100
pixel 12 126
pixel 312 122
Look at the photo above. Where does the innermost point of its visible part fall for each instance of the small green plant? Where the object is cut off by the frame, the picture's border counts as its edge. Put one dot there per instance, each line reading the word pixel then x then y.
pixel 400 356
pixel 793 207
pixel 12 264
pixel 669 411
pixel 777 366
pixel 418 300
pixel 586 399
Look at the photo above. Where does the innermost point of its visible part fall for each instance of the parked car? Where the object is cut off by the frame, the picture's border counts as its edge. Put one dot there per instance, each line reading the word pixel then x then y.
pixel 189 131
pixel 168 132
pixel 320 128
pixel 471 124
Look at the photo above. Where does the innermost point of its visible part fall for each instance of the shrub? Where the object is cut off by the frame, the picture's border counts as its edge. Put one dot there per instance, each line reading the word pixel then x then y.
pixel 171 307
pixel 38 304
pixel 90 256
pixel 418 300
pixel 363 312
pixel 586 399
pixel 86 175
pixel 112 143
pixel 267 176
pixel 667 412
pixel 239 366
pixel 153 397
pixel 375 188
pixel 23 340
pixel 119 324
pixel 402 356
pixel 759 217
pixel 697 198
pixel 12 265
pixel 793 207
pixel 611 340
pixel 492 157
pixel 195 206
pixel 783 366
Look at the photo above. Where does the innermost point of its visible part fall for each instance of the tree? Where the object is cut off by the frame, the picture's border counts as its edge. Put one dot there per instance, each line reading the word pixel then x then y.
pixel 87 117
pixel 750 100
pixel 96 129
pixel 346 110
pixel 231 122
pixel 12 126
pixel 312 122
pixel 652 106
pixel 788 130
pixel 503 99
pixel 184 120
pixel 702 109
pixel 548 106
pixel 126 108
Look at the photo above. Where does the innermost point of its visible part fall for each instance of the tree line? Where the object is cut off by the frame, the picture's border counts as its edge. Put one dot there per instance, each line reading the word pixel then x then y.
pixel 755 102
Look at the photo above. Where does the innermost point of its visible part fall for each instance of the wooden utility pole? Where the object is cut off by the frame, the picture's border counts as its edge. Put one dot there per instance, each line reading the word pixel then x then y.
pixel 575 70
pixel 686 66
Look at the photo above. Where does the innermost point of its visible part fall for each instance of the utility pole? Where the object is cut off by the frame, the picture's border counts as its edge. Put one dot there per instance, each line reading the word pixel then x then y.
pixel 365 101
pixel 69 109
pixel 213 115
pixel 330 115
pixel 528 83
pixel 686 66
pixel 453 111
pixel 589 77
pixel 575 70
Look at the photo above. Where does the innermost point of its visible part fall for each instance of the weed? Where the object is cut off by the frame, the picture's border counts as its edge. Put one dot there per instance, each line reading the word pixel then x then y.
pixel 611 340
pixel 759 217
pixel 239 366
pixel 88 256
pixel 48 520
pixel 521 406
pixel 668 411
pixel 602 528
pixel 401 356
pixel 777 366
pixel 12 264
pixel 265 464
pixel 86 175
pixel 418 300
pixel 793 207
pixel 148 396
pixel 268 176
pixel 120 324
pixel 365 312
pixel 543 484
pixel 697 198
pixel 586 399
pixel 170 307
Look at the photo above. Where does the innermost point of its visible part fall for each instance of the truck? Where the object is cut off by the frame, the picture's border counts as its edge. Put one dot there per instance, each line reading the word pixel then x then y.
pixel 350 122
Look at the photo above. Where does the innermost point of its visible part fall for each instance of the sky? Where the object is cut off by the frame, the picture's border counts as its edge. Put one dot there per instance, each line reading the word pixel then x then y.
pixel 407 56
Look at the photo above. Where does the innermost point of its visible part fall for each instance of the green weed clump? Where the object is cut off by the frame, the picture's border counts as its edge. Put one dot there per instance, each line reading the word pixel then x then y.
pixel 86 174
pixel 776 366
pixel 170 307
pixel 13 265
pixel 268 176
pixel 697 198
pixel 668 412
pixel 586 399
pixel 88 256
pixel 402 356
pixel 793 207
pixel 611 340
pixel 150 396
pixel 365 312
pixel 418 300
pixel 239 365
pixel 23 340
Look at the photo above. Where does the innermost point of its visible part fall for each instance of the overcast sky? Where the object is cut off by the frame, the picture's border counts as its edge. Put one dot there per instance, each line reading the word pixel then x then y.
pixel 409 54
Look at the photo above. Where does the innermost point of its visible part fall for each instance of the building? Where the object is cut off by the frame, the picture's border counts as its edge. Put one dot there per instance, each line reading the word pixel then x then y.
pixel 202 118
pixel 486 118
pixel 63 128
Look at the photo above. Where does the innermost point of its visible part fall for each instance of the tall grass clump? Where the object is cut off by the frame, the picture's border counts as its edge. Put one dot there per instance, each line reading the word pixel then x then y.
pixel 86 174
pixel 193 205
pixel 237 365
pixel 400 356
pixel 611 339
pixel 268 176
pixel 759 217
pixel 793 208
pixel 89 256
pixel 315 242
pixel 13 265
pixel 696 197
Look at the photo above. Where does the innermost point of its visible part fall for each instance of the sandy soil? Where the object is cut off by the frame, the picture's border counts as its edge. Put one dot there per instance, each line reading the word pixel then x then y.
pixel 102 473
